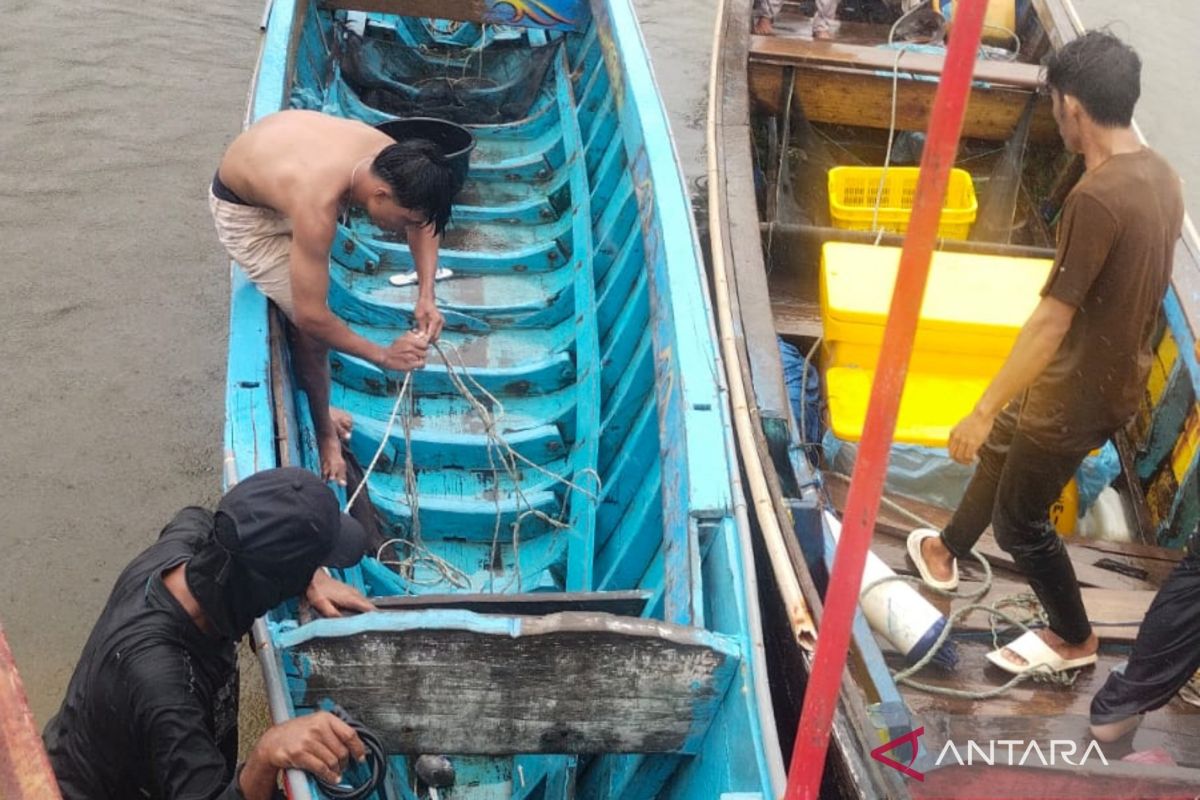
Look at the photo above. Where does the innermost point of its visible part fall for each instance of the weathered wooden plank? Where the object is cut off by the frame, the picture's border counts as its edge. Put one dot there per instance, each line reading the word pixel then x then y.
pixel 1054 710
pixel 807 52
pixel 865 99
pixel 1144 551
pixel 451 681
pixel 1116 613
pixel 892 523
pixel 748 288
pixel 1057 20
pixel 24 768
pixel 623 603
pixel 554 14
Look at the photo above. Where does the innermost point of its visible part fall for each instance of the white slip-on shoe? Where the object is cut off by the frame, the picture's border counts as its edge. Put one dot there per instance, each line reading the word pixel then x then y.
pixel 1038 656
pixel 914 553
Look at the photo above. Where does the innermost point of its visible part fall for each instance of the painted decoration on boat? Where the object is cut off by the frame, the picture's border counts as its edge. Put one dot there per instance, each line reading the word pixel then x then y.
pixel 612 58
pixel 553 14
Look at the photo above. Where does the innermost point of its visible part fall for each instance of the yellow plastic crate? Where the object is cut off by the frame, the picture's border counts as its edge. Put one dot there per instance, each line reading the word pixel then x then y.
pixel 852 192
pixel 973 308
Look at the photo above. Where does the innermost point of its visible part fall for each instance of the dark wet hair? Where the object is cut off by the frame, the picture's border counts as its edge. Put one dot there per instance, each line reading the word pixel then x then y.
pixel 420 179
pixel 1102 72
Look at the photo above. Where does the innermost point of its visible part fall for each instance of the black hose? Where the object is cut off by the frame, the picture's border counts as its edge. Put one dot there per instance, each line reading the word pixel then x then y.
pixel 376 762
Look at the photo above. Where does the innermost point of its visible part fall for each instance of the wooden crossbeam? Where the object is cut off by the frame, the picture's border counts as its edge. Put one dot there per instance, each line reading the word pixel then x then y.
pixel 788 51
pixel 463 10
pixel 555 14
pixel 626 604
pixel 852 85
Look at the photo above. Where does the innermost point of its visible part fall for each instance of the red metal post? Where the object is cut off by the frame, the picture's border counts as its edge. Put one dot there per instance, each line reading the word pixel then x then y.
pixel 866 484
pixel 24 769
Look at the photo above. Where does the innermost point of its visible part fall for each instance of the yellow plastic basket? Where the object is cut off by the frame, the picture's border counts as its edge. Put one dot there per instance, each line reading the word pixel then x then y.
pixel 852 192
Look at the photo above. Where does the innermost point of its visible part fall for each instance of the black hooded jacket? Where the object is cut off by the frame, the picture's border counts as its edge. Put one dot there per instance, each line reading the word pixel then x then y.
pixel 151 711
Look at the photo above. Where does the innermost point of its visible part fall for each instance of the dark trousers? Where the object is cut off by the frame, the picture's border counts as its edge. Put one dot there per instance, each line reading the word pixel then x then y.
pixel 1013 487
pixel 1166 652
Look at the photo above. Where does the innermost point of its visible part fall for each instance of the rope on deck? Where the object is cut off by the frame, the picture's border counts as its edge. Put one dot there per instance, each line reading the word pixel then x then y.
pixel 1027 600
pixel 498 450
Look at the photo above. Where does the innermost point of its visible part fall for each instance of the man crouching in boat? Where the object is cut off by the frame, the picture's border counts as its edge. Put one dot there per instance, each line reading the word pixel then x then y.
pixel 1077 371
pixel 276 199
pixel 151 711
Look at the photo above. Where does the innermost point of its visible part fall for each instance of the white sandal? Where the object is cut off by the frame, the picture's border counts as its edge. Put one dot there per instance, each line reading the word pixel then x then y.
pixel 1038 655
pixel 914 553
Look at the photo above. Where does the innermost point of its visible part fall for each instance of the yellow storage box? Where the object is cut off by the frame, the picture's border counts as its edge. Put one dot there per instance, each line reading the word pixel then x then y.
pixel 852 193
pixel 973 308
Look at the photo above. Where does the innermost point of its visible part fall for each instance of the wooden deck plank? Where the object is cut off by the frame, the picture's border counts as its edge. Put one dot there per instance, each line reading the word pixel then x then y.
pixel 1106 607
pixel 892 523
pixel 1042 710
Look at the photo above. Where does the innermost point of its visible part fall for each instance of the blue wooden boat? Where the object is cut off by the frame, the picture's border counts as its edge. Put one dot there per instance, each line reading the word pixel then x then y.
pixel 567 605
pixel 786 109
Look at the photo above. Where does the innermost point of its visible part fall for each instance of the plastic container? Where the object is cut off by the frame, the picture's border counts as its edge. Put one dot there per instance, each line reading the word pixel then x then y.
pixel 852 192
pixel 973 308
pixel 455 141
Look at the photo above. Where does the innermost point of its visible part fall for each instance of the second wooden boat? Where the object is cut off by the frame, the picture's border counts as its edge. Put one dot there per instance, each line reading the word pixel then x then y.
pixel 786 111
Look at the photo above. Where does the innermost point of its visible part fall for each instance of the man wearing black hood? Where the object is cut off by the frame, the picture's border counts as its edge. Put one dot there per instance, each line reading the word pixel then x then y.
pixel 151 710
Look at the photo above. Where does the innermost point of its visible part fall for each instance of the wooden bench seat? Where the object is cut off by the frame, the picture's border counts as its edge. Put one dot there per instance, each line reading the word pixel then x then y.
pixel 453 681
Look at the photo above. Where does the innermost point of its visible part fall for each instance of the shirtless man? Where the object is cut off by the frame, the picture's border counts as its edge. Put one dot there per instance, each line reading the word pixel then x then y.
pixel 276 199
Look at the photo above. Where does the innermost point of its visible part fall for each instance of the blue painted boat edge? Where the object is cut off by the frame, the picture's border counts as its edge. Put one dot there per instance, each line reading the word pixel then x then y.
pixel 249 421
pixel 707 429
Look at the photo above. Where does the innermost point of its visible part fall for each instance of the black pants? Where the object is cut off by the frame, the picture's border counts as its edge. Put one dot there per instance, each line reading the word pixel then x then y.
pixel 1013 487
pixel 1166 652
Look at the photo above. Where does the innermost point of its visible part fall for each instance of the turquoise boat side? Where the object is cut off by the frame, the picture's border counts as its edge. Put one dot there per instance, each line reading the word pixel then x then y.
pixel 579 307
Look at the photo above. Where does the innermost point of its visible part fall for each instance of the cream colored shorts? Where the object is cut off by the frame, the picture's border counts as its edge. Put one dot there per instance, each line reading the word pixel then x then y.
pixel 260 241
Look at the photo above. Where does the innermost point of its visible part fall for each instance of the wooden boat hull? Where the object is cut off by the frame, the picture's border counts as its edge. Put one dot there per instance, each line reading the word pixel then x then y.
pixel 842 86
pixel 567 594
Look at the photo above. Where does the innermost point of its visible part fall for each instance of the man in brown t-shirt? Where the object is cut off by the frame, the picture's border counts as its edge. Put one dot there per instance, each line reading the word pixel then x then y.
pixel 1079 365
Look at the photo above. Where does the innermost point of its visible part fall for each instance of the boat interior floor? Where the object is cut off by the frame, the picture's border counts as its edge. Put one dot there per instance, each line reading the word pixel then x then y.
pixel 1118 583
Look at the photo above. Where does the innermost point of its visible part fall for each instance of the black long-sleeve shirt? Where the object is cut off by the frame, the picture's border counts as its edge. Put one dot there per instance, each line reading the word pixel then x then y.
pixel 151 711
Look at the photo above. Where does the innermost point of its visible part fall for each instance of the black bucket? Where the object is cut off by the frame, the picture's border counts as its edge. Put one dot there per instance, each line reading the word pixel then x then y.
pixel 455 141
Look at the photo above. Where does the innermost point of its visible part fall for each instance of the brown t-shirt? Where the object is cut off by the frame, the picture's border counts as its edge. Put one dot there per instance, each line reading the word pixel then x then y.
pixel 1115 244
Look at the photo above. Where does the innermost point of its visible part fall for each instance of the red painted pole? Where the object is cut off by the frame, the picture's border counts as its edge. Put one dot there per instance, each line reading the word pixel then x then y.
pixel 24 768
pixel 866 485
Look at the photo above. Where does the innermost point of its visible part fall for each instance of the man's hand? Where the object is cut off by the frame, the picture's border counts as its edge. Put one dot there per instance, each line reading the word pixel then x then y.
pixel 320 744
pixel 969 435
pixel 429 318
pixel 330 597
pixel 406 353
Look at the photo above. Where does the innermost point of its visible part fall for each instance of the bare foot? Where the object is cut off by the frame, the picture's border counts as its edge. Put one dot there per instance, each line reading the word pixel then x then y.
pixel 343 423
pixel 1059 645
pixel 938 559
pixel 333 466
pixel 823 36
pixel 763 27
